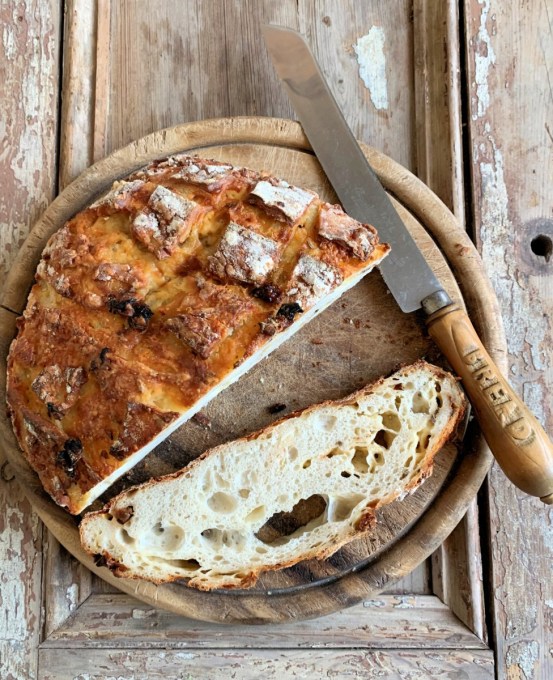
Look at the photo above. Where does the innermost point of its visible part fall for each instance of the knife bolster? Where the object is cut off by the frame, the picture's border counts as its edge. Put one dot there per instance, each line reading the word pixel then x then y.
pixel 436 301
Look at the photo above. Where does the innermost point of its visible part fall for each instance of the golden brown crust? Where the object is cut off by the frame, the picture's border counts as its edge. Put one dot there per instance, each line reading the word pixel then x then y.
pixel 148 298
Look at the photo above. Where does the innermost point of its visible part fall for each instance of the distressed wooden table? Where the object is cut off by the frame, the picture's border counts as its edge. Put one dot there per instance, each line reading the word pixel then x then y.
pixel 460 93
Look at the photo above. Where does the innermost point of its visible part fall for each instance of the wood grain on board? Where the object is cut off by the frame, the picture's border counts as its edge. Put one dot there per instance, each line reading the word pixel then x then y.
pixel 510 105
pixel 173 50
pixel 29 91
pixel 347 353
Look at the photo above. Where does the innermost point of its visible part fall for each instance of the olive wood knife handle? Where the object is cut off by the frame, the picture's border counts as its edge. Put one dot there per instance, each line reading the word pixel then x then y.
pixel 516 439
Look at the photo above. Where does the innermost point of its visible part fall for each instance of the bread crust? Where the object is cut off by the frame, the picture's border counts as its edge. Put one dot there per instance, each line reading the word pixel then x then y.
pixel 153 296
pixel 363 525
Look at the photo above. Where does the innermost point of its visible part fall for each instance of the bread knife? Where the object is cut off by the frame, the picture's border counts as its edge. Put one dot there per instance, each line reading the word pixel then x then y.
pixel 515 437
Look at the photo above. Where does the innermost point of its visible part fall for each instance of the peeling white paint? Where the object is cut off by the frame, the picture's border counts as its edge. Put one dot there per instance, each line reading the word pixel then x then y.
pixel 405 602
pixel 523 654
pixel 484 58
pixel 71 596
pixel 528 341
pixel 88 676
pixel 533 395
pixel 13 624
pixel 373 603
pixel 143 613
pixel 9 42
pixel 372 66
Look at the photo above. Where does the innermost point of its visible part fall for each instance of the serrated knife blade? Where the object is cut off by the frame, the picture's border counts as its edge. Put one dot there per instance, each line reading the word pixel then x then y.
pixel 406 272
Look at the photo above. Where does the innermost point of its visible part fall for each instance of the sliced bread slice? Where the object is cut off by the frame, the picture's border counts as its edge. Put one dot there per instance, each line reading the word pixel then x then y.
pixel 296 490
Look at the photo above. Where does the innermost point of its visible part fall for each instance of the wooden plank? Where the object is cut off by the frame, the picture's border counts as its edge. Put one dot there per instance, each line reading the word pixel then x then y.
pixel 437 112
pixel 418 582
pixel 414 546
pixel 457 564
pixel 66 584
pixel 77 110
pixel 457 573
pixel 191 61
pixel 378 103
pixel 192 664
pixel 29 95
pixel 21 560
pixel 510 53
pixel 387 622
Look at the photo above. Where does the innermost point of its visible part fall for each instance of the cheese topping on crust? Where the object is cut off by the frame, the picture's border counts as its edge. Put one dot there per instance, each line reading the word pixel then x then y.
pixel 282 200
pixel 165 222
pixel 118 194
pixel 59 389
pixel 199 172
pixel 311 280
pixel 244 255
pixel 335 225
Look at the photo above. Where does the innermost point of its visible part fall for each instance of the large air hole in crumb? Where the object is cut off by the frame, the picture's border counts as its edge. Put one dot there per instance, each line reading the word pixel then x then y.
pixel 329 423
pixel 255 515
pixel 391 421
pixel 229 537
pixel 126 537
pixel 221 502
pixel 244 493
pixel 187 565
pixel 422 443
pixel 341 507
pixel 420 404
pixel 384 438
pixel 168 537
pixel 336 451
pixel 306 514
pixel 292 453
pixel 306 464
pixel 359 460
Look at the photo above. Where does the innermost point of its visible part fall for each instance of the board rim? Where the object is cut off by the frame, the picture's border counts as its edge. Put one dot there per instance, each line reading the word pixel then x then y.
pixel 445 511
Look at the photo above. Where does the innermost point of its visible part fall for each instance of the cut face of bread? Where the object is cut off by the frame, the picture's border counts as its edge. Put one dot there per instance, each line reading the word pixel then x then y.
pixel 158 296
pixel 296 490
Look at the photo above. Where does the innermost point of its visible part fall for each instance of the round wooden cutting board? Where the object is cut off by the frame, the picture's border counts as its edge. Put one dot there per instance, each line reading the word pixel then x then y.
pixel 359 338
